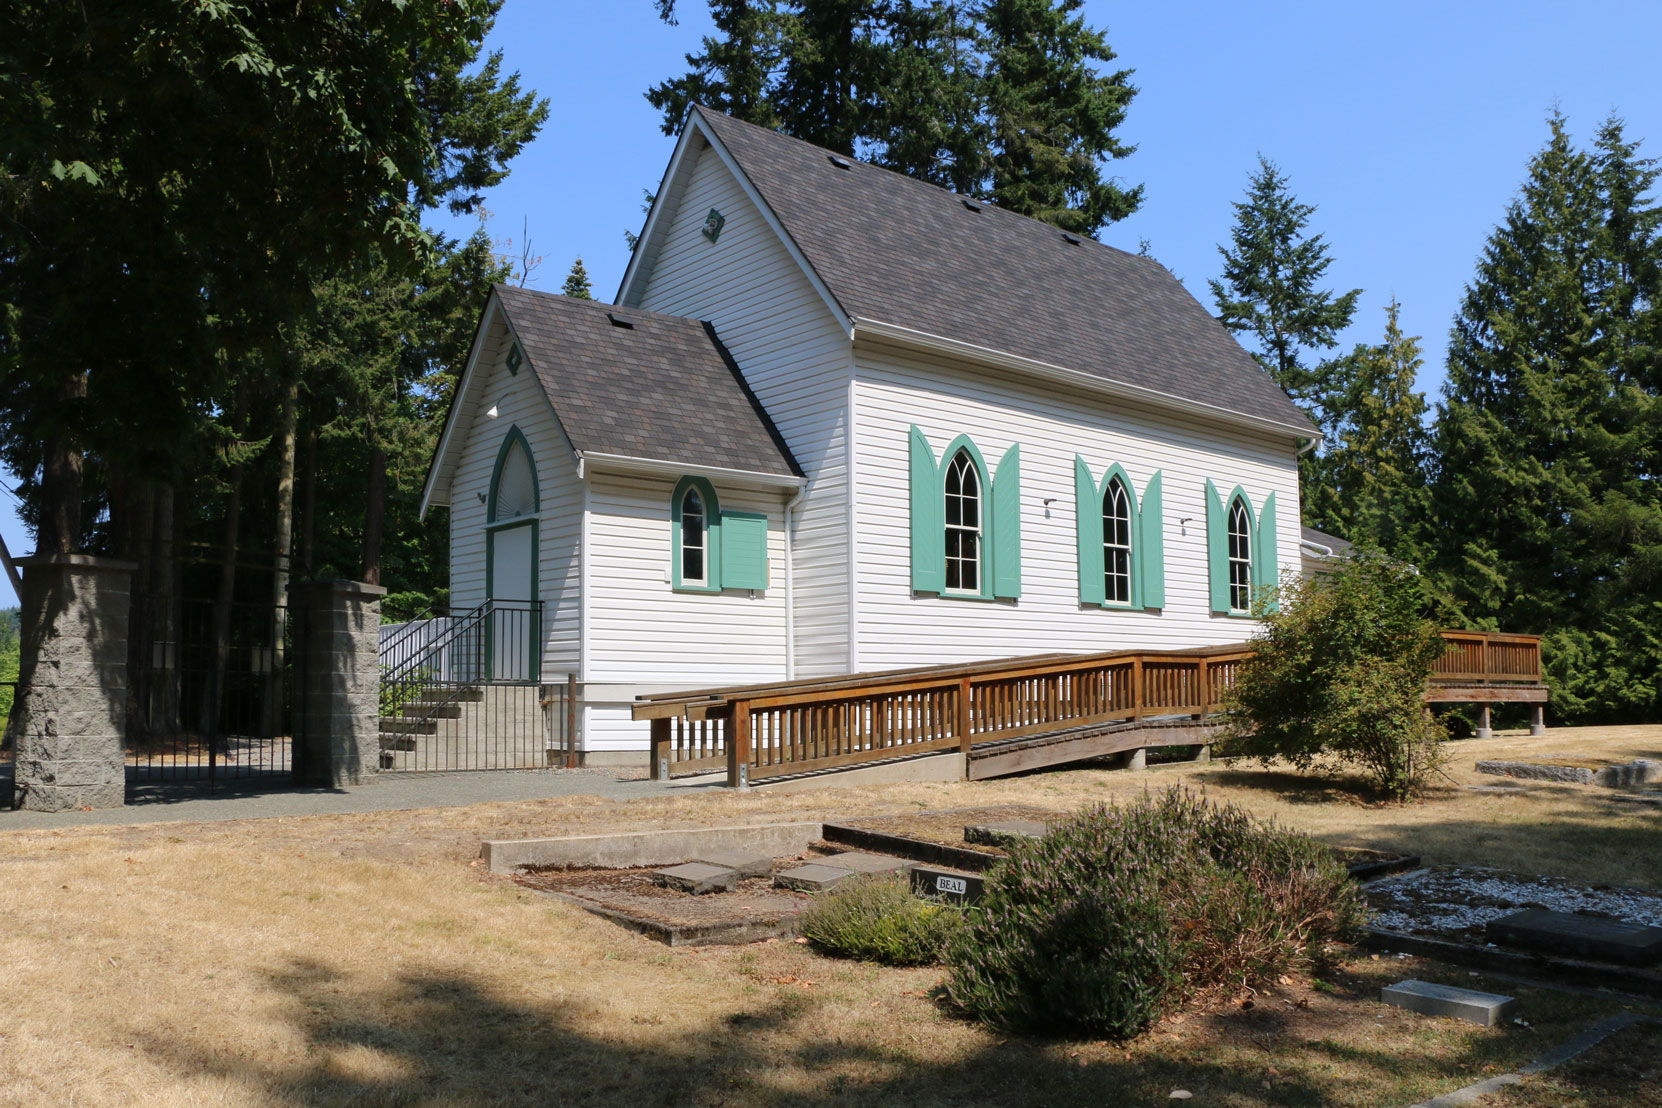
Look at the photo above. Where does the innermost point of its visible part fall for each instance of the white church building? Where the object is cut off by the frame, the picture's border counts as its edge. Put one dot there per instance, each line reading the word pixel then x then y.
pixel 838 421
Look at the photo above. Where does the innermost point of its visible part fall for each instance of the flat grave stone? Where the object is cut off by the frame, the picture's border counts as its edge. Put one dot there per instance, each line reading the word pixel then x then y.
pixel 954 885
pixel 1004 832
pixel 1428 999
pixel 860 862
pixel 1654 799
pixel 813 877
pixel 745 865
pixel 1630 944
pixel 1497 788
pixel 697 878
pixel 1641 771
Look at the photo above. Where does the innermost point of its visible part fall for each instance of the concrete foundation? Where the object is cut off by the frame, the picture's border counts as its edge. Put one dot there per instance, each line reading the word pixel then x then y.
pixel 69 719
pixel 337 681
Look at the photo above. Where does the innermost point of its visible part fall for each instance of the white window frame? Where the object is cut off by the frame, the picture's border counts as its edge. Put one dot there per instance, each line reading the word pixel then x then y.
pixel 703 544
pixel 1240 556
pixel 1111 580
pixel 962 463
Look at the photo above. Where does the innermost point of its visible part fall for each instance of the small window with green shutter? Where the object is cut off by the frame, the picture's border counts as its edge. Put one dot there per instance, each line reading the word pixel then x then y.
pixel 712 550
pixel 1121 549
pixel 965 522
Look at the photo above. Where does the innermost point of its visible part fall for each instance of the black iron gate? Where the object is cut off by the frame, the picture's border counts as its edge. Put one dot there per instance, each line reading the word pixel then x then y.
pixel 208 687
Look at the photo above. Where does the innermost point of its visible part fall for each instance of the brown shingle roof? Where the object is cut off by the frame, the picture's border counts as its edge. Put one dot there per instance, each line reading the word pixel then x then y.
pixel 896 250
pixel 664 389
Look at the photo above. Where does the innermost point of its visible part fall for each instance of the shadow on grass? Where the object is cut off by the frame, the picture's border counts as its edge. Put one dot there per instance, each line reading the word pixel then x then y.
pixel 441 1040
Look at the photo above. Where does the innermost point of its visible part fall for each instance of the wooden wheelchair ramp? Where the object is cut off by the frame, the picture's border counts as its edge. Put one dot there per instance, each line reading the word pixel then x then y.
pixel 1005 716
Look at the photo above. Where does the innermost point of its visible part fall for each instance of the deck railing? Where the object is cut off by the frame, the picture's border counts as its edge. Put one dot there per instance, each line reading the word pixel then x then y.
pixel 1488 658
pixel 764 731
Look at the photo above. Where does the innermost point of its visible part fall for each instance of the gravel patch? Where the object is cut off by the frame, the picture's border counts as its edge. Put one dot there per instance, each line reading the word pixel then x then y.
pixel 1456 902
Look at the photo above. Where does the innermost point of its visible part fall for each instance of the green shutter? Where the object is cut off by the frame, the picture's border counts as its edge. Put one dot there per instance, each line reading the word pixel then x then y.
pixel 928 519
pixel 1088 528
pixel 1217 549
pixel 1266 571
pixel 1007 525
pixel 1150 552
pixel 744 550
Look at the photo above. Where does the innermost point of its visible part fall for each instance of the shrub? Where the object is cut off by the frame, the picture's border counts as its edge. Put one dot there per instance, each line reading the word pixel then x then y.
pixel 1118 915
pixel 878 919
pixel 1338 673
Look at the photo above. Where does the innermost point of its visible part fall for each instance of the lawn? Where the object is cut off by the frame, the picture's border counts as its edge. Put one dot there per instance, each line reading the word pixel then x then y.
pixel 369 960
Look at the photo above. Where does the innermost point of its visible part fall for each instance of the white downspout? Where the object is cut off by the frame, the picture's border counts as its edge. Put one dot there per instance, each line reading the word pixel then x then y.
pixel 790 583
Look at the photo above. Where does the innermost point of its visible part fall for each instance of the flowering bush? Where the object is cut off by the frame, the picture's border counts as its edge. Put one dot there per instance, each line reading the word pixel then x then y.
pixel 1119 914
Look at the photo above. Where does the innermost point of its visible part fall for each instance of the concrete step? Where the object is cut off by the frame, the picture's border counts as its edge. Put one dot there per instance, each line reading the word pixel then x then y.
pixel 397 742
pixel 418 709
pixel 397 725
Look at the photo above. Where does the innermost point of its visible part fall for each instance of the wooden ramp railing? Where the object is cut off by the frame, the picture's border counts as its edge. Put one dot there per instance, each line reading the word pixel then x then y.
pixel 763 731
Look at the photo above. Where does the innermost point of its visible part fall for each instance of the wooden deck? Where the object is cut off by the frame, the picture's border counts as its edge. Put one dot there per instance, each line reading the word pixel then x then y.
pixel 1008 715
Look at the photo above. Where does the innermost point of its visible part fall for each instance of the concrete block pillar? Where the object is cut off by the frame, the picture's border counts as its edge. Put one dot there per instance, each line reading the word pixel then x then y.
pixel 1538 720
pixel 336 681
pixel 70 714
pixel 1483 729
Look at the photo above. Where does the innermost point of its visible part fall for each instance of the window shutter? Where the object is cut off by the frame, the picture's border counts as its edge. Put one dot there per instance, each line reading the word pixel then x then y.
pixel 1007 525
pixel 1217 550
pixel 1088 528
pixel 1266 570
pixel 744 554
pixel 1150 553
pixel 928 519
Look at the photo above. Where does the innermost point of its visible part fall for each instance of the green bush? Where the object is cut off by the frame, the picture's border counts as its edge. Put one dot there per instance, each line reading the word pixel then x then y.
pixel 878 919
pixel 1338 673
pixel 1119 914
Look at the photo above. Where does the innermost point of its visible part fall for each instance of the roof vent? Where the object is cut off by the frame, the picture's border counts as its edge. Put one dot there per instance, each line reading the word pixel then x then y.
pixel 619 321
pixel 840 162
pixel 1073 238
pixel 970 204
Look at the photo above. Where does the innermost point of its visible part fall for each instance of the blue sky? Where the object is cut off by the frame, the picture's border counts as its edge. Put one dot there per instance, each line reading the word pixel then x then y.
pixel 1407 124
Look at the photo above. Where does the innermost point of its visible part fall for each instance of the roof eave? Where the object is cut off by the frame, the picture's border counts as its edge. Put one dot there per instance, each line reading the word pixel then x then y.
pixel 1088 382
pixel 590 461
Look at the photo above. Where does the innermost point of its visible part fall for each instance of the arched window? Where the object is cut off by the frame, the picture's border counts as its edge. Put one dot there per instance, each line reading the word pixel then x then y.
pixel 694 530
pixel 1116 543
pixel 963 524
pixel 1240 557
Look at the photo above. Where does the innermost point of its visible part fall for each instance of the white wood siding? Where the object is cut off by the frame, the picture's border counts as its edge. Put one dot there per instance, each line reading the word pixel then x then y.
pixel 797 361
pixel 641 630
pixel 894 390
pixel 520 402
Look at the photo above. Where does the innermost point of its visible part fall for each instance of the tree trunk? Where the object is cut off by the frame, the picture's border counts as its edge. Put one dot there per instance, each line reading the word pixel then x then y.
pixel 59 530
pixel 214 690
pixel 166 585
pixel 375 513
pixel 136 542
pixel 308 501
pixel 273 700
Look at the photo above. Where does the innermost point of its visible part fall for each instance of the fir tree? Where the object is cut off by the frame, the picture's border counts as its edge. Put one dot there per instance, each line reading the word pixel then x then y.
pixel 577 282
pixel 734 73
pixel 1271 271
pixel 1375 470
pixel 1053 115
pixel 1547 497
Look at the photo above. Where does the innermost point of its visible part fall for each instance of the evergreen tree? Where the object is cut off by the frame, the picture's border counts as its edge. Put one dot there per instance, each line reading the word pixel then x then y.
pixel 1000 99
pixel 1548 502
pixel 1375 470
pixel 577 282
pixel 1269 289
pixel 1053 115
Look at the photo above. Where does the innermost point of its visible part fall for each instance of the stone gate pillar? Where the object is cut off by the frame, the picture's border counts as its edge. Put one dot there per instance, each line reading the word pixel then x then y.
pixel 336 690
pixel 71 708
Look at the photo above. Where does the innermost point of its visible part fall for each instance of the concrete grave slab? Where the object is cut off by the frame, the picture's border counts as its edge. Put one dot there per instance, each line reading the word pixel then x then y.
pixel 1630 944
pixel 1004 832
pixel 697 878
pixel 865 863
pixel 1641 771
pixel 813 878
pixel 1428 999
pixel 954 885
pixel 741 862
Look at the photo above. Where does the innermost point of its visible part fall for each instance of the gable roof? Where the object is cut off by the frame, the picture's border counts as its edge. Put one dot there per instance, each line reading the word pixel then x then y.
pixel 662 389
pixel 897 251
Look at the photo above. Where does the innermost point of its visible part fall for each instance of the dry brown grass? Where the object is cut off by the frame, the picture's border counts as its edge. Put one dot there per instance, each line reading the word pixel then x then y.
pixel 365 960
